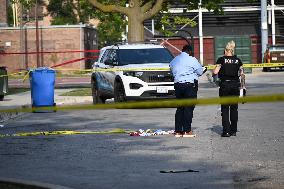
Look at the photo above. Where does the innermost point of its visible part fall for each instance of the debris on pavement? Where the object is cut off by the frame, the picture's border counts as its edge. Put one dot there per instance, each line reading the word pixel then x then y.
pixel 150 132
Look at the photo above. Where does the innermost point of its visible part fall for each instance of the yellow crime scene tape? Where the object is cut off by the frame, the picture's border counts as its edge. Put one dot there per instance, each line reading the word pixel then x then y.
pixel 17 73
pixel 49 133
pixel 262 65
pixel 209 67
pixel 170 103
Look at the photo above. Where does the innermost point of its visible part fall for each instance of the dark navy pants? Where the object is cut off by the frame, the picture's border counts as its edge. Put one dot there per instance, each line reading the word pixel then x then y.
pixel 183 117
pixel 229 112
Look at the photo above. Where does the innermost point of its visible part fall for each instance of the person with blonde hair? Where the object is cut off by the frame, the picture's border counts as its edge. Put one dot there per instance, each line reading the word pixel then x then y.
pixel 230 47
pixel 229 68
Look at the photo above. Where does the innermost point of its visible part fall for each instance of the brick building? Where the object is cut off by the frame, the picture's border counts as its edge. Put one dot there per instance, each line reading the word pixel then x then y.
pixel 51 38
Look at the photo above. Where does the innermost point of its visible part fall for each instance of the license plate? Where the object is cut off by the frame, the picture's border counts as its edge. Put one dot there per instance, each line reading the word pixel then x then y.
pixel 274 58
pixel 162 90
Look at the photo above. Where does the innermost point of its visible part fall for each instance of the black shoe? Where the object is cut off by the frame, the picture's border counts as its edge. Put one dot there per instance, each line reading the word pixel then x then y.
pixel 233 134
pixel 225 135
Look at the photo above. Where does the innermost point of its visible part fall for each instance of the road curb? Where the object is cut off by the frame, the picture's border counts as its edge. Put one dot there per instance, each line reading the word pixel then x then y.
pixel 39 185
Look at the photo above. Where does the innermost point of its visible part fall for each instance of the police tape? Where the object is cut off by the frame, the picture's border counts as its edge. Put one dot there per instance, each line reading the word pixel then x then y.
pixel 210 67
pixel 262 65
pixel 66 132
pixel 170 103
pixel 145 69
pixel 12 74
pixel 166 69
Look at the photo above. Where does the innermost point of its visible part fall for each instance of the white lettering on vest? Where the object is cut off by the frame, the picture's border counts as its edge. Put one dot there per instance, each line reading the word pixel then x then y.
pixel 230 61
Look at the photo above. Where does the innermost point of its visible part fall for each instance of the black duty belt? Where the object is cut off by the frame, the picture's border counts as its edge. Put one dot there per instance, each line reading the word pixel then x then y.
pixel 228 80
pixel 185 83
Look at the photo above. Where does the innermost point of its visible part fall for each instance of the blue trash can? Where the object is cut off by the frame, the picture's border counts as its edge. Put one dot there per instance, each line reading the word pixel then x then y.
pixel 42 81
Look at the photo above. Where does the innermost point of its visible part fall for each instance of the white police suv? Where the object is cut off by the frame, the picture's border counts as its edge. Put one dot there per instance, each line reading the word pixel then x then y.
pixel 131 72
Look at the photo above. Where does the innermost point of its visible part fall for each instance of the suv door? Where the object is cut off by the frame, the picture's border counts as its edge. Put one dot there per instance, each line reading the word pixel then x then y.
pixel 110 62
pixel 102 81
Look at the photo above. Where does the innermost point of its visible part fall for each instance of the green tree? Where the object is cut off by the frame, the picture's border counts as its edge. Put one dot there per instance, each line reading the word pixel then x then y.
pixel 112 14
pixel 110 27
pixel 140 10
pixel 62 12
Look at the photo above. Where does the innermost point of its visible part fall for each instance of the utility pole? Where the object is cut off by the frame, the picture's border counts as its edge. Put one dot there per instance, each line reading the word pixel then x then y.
pixel 200 28
pixel 273 22
pixel 37 35
pixel 22 37
pixel 153 27
pixel 264 28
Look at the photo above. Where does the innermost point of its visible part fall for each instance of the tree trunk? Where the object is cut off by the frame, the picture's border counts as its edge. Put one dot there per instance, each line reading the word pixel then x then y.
pixel 135 28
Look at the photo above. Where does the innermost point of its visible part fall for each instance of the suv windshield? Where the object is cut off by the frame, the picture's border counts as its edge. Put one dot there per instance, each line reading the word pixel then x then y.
pixel 144 56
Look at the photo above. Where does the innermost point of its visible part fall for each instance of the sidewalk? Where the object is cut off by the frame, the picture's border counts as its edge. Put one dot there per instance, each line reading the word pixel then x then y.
pixel 24 100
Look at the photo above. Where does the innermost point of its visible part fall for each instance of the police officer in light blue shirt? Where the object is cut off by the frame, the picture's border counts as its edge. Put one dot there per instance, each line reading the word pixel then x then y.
pixel 186 69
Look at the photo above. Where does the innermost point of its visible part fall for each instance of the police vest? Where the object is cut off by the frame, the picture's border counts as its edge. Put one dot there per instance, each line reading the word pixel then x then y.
pixel 230 66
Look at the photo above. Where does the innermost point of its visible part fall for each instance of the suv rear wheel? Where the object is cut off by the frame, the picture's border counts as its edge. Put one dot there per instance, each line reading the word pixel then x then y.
pixel 119 93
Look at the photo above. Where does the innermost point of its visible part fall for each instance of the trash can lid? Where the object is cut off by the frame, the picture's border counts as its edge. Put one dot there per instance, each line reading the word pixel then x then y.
pixel 42 69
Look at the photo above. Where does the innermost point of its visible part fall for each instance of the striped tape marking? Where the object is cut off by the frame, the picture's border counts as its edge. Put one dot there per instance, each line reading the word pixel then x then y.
pixel 171 103
pixel 140 105
pixel 253 65
pixel 210 67
pixel 48 133
pixel 11 74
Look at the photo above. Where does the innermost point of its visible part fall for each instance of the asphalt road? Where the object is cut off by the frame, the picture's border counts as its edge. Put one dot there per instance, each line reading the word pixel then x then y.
pixel 252 159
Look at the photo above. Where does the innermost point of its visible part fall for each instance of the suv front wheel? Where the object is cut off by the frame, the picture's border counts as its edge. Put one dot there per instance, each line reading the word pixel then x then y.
pixel 97 99
pixel 119 93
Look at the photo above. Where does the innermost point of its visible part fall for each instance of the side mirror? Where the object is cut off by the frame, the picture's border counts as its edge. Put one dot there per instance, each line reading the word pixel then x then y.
pixel 95 65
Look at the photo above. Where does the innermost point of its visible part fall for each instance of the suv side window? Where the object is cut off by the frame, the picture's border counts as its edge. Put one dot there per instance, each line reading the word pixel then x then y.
pixel 113 55
pixel 105 56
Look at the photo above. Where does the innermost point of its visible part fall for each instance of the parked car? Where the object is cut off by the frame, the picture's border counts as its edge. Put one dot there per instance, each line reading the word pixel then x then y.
pixel 274 54
pixel 134 81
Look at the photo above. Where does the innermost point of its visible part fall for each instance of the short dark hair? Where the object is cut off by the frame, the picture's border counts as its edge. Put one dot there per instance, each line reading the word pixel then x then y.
pixel 187 48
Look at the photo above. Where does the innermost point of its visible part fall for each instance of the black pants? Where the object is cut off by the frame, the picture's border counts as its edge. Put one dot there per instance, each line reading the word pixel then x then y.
pixel 229 112
pixel 183 117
